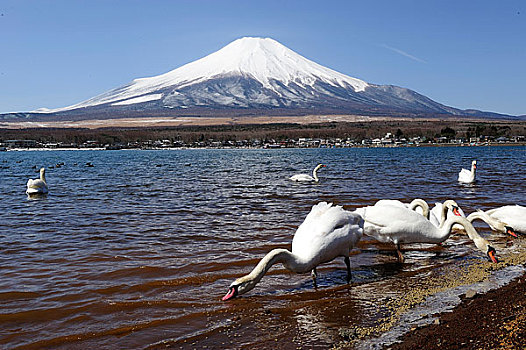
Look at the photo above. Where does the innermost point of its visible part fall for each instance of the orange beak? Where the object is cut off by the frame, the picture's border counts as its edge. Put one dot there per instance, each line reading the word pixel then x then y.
pixel 455 211
pixel 491 254
pixel 511 232
pixel 232 293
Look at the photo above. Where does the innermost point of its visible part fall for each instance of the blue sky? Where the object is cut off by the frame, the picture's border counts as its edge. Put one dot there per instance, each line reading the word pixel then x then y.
pixel 465 54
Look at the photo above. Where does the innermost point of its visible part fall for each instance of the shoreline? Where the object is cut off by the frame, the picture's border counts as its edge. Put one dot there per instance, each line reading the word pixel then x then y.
pixel 509 144
pixel 493 320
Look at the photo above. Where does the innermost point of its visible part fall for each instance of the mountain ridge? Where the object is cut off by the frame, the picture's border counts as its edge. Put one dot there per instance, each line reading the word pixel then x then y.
pixel 252 74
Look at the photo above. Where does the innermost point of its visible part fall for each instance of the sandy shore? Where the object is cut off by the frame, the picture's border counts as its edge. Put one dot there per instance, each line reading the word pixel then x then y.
pixel 495 320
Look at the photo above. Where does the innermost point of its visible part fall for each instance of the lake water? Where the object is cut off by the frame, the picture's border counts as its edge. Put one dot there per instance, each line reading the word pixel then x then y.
pixel 137 251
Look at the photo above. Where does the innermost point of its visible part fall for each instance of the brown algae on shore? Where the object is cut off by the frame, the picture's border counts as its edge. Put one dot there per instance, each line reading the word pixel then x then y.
pixel 417 291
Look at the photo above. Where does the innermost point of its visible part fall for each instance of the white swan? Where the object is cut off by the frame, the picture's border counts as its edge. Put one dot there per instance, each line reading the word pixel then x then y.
pixel 327 232
pixel 467 176
pixel 494 224
pixel 308 178
pixel 442 211
pixel 418 205
pixel 512 215
pixel 400 225
pixel 37 186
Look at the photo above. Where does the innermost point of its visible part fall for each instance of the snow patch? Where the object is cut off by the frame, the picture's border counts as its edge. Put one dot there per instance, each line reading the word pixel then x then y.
pixel 139 99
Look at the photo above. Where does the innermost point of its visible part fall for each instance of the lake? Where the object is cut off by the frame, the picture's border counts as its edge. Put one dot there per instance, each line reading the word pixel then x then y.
pixel 137 250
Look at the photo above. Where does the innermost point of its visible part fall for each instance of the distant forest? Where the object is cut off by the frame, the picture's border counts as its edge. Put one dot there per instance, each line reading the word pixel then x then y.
pixel 352 130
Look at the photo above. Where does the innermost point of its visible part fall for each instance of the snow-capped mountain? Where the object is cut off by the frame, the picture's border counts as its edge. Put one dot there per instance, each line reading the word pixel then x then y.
pixel 258 75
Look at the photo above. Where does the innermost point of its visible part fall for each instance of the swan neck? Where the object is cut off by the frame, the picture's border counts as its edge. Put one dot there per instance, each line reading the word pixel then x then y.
pixel 315 174
pixel 43 175
pixel 422 204
pixel 275 256
pixel 493 223
pixel 480 242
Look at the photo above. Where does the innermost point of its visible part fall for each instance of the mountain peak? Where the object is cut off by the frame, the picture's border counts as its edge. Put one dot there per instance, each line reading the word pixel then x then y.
pixel 262 59
pixel 254 74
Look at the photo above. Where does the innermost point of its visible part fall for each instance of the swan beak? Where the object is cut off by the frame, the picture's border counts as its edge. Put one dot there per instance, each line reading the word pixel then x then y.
pixel 455 211
pixel 492 254
pixel 232 293
pixel 511 232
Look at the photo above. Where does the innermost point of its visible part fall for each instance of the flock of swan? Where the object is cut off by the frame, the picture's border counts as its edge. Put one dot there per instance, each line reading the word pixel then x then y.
pixel 329 231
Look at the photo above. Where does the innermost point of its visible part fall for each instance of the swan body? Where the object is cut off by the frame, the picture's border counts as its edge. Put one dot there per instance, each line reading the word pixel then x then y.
pixel 38 186
pixel 308 178
pixel 512 215
pixel 418 205
pixel 401 225
pixel 468 176
pixel 327 232
pixel 493 223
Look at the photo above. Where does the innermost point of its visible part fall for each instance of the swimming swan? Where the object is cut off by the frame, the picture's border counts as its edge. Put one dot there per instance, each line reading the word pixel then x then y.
pixel 306 177
pixel 467 176
pixel 399 225
pixel 327 232
pixel 37 186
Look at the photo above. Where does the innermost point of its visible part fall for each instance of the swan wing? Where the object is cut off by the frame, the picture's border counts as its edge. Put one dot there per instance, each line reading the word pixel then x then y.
pixel 327 232
pixel 435 214
pixel 397 225
pixel 36 186
pixel 393 202
pixel 465 176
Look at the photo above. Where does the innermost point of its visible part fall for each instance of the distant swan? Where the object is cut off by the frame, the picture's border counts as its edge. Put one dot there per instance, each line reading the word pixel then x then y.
pixel 467 176
pixel 512 215
pixel 306 177
pixel 37 186
pixel 494 224
pixel 327 232
pixel 401 225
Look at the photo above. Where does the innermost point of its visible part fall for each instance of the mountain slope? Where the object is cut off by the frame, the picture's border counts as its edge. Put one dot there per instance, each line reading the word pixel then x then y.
pixel 252 75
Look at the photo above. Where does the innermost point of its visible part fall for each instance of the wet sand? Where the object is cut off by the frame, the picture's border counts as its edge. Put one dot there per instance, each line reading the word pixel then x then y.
pixel 495 320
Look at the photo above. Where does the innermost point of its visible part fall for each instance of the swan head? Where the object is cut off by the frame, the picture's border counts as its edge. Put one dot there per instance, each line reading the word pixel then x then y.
pixel 453 206
pixel 238 287
pixel 484 246
pixel 319 166
pixel 474 164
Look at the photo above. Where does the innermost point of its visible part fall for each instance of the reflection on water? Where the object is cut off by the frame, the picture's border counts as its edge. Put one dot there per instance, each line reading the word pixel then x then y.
pixel 137 250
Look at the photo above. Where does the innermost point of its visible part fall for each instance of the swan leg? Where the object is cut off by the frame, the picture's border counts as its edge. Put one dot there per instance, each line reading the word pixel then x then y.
pixel 348 263
pixel 399 252
pixel 314 274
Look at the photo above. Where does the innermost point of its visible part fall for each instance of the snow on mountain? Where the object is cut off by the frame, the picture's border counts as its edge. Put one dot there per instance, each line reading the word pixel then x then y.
pixel 262 59
pixel 252 75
